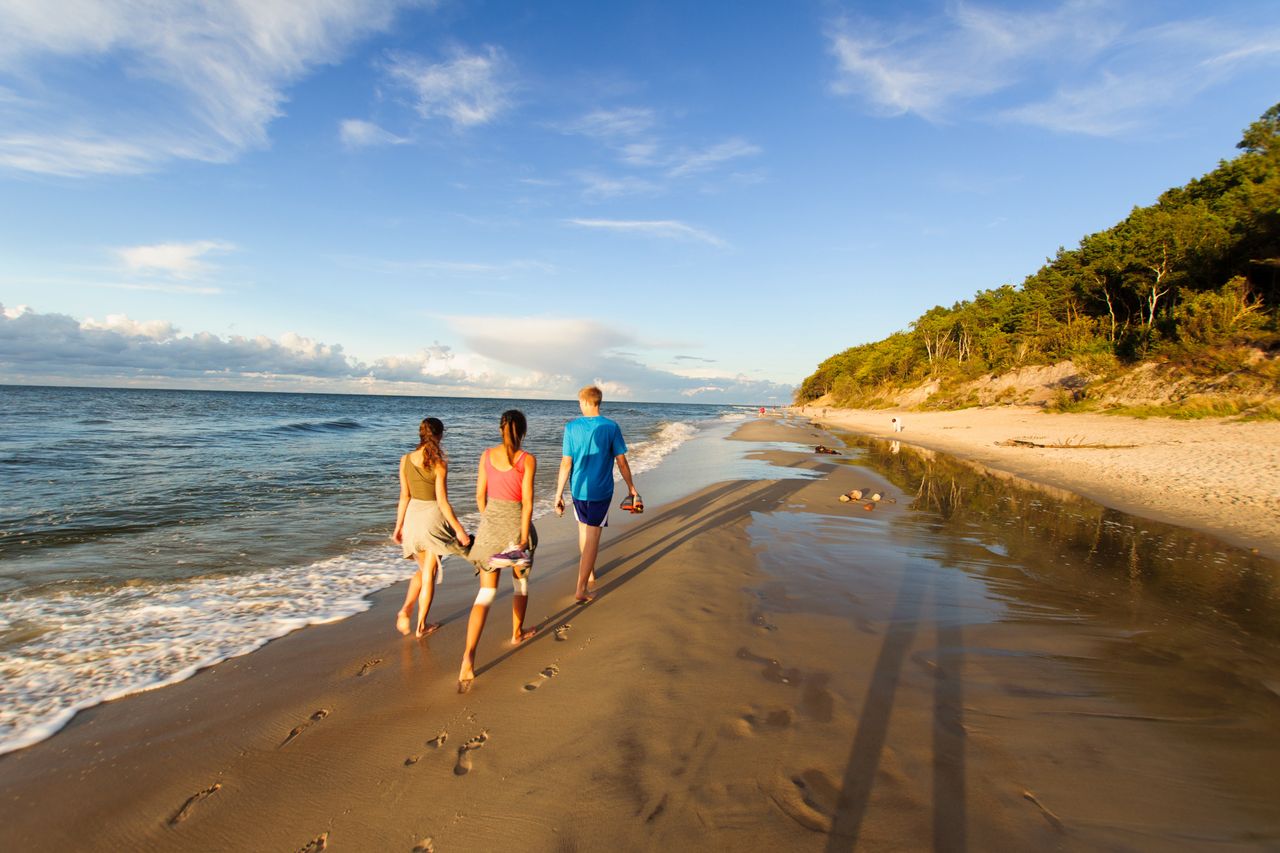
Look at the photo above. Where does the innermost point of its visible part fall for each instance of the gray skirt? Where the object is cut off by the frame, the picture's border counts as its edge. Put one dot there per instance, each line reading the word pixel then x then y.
pixel 426 530
pixel 499 531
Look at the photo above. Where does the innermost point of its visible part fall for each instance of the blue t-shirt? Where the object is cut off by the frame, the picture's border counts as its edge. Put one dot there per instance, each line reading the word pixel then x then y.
pixel 593 443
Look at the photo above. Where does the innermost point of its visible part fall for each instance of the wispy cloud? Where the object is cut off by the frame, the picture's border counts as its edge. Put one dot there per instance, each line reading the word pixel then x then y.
pixel 692 162
pixel 467 89
pixel 632 134
pixel 610 124
pixel 190 79
pixel 357 133
pixel 664 228
pixel 1080 66
pixel 179 260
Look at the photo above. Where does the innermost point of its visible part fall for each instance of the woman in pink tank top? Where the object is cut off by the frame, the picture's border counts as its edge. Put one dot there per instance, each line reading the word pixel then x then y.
pixel 506 538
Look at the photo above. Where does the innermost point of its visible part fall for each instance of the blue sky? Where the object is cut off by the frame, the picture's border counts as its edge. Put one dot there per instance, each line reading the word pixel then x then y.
pixel 682 201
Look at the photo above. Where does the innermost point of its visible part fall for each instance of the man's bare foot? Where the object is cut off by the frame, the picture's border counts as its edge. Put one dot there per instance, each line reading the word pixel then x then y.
pixel 517 639
pixel 585 598
pixel 402 623
pixel 464 685
pixel 426 630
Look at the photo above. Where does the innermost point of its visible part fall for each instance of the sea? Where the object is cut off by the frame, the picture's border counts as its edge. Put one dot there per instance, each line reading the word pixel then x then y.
pixel 145 534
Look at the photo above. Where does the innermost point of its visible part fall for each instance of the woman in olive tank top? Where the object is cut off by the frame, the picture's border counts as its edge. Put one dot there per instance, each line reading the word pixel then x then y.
pixel 426 527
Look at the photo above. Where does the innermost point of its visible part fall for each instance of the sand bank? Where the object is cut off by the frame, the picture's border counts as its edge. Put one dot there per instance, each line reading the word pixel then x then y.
pixel 765 668
pixel 1215 475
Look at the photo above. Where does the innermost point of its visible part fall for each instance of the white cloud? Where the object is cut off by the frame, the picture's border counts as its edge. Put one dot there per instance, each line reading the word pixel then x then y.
pixel 1078 67
pixel 357 133
pixel 468 89
pixel 155 330
pixel 624 121
pixel 691 162
pixel 666 228
pixel 596 186
pixel 188 79
pixel 179 260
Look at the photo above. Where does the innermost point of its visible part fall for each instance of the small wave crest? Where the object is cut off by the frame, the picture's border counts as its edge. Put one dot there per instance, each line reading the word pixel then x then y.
pixel 71 650
pixel 648 454
pixel 319 426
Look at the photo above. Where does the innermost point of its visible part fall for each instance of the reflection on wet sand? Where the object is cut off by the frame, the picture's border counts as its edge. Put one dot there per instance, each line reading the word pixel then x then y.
pixel 1033 655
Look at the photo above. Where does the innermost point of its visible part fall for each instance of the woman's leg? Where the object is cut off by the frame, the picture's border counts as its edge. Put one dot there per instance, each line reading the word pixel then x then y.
pixel 475 625
pixel 519 605
pixel 428 564
pixel 410 596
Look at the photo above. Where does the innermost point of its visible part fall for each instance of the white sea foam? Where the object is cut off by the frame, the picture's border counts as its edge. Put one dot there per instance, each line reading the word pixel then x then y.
pixel 647 455
pixel 81 648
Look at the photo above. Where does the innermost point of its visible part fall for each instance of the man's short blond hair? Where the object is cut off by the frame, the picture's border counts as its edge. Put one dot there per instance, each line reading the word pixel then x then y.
pixel 591 395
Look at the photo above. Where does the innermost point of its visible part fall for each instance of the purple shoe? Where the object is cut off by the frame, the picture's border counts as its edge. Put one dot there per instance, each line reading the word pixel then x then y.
pixel 513 557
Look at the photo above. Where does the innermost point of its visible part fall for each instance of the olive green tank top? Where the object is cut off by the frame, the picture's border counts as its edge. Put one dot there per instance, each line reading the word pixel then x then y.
pixel 422 484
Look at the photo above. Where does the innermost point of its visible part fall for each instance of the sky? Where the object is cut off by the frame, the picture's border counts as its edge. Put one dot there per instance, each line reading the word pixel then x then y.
pixel 677 201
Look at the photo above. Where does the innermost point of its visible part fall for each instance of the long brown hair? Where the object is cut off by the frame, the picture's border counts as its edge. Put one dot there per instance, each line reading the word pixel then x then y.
pixel 430 431
pixel 513 426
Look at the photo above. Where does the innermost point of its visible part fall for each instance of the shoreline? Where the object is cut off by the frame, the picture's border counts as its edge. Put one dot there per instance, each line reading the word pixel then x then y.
pixel 1214 475
pixel 764 668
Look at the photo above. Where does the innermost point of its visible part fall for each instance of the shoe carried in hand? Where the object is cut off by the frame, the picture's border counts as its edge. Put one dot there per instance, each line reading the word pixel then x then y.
pixel 513 556
pixel 632 504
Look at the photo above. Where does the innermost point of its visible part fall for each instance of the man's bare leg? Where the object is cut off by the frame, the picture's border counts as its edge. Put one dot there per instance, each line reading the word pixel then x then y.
pixel 410 596
pixel 475 626
pixel 430 564
pixel 582 547
pixel 589 543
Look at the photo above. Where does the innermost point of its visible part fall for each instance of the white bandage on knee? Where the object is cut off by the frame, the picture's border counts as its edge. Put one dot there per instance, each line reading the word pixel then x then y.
pixel 520 585
pixel 485 596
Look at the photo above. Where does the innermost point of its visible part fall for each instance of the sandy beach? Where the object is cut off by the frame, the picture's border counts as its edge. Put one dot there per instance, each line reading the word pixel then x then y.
pixel 1214 474
pixel 955 667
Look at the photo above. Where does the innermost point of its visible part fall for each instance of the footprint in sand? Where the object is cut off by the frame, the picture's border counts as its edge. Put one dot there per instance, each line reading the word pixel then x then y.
pixel 185 812
pixel 368 665
pixel 550 672
pixel 412 760
pixel 320 842
pixel 810 799
pixel 297 730
pixel 562 633
pixel 426 845
pixel 438 741
pixel 463 766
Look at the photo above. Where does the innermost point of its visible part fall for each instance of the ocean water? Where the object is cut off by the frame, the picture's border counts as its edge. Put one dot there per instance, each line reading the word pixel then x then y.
pixel 145 534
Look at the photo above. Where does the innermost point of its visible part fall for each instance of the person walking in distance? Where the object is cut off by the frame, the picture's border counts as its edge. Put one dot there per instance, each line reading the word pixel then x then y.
pixel 592 445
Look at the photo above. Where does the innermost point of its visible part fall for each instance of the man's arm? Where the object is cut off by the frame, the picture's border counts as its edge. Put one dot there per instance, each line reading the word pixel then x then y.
pixel 625 470
pixel 566 467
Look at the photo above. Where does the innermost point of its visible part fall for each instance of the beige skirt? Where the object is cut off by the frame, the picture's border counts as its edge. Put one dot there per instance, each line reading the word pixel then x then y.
pixel 426 530
pixel 499 531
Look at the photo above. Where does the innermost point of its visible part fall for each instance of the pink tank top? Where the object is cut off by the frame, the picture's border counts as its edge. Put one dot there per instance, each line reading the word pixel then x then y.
pixel 504 485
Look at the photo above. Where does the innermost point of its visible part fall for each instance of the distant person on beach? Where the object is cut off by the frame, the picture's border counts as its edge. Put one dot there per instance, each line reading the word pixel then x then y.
pixel 506 538
pixel 426 528
pixel 592 444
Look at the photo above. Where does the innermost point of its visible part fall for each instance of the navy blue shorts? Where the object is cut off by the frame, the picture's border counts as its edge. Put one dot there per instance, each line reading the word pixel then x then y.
pixel 593 513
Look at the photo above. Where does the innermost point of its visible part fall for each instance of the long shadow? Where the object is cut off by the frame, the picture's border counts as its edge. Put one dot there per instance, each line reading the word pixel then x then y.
pixel 873 725
pixel 948 735
pixel 736 510
pixel 949 805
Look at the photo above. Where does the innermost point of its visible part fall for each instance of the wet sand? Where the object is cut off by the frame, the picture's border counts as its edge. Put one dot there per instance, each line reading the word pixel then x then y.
pixel 1214 474
pixel 970 664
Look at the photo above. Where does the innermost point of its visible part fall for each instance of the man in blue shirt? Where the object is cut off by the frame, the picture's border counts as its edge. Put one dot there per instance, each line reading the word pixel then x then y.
pixel 592 444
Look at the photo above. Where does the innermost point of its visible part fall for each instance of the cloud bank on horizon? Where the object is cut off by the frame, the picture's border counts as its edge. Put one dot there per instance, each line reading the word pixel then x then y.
pixel 554 360
pixel 628 194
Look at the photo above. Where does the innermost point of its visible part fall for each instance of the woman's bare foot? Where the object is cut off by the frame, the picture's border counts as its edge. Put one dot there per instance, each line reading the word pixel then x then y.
pixel 517 639
pixel 426 630
pixel 466 675
pixel 585 598
pixel 402 622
